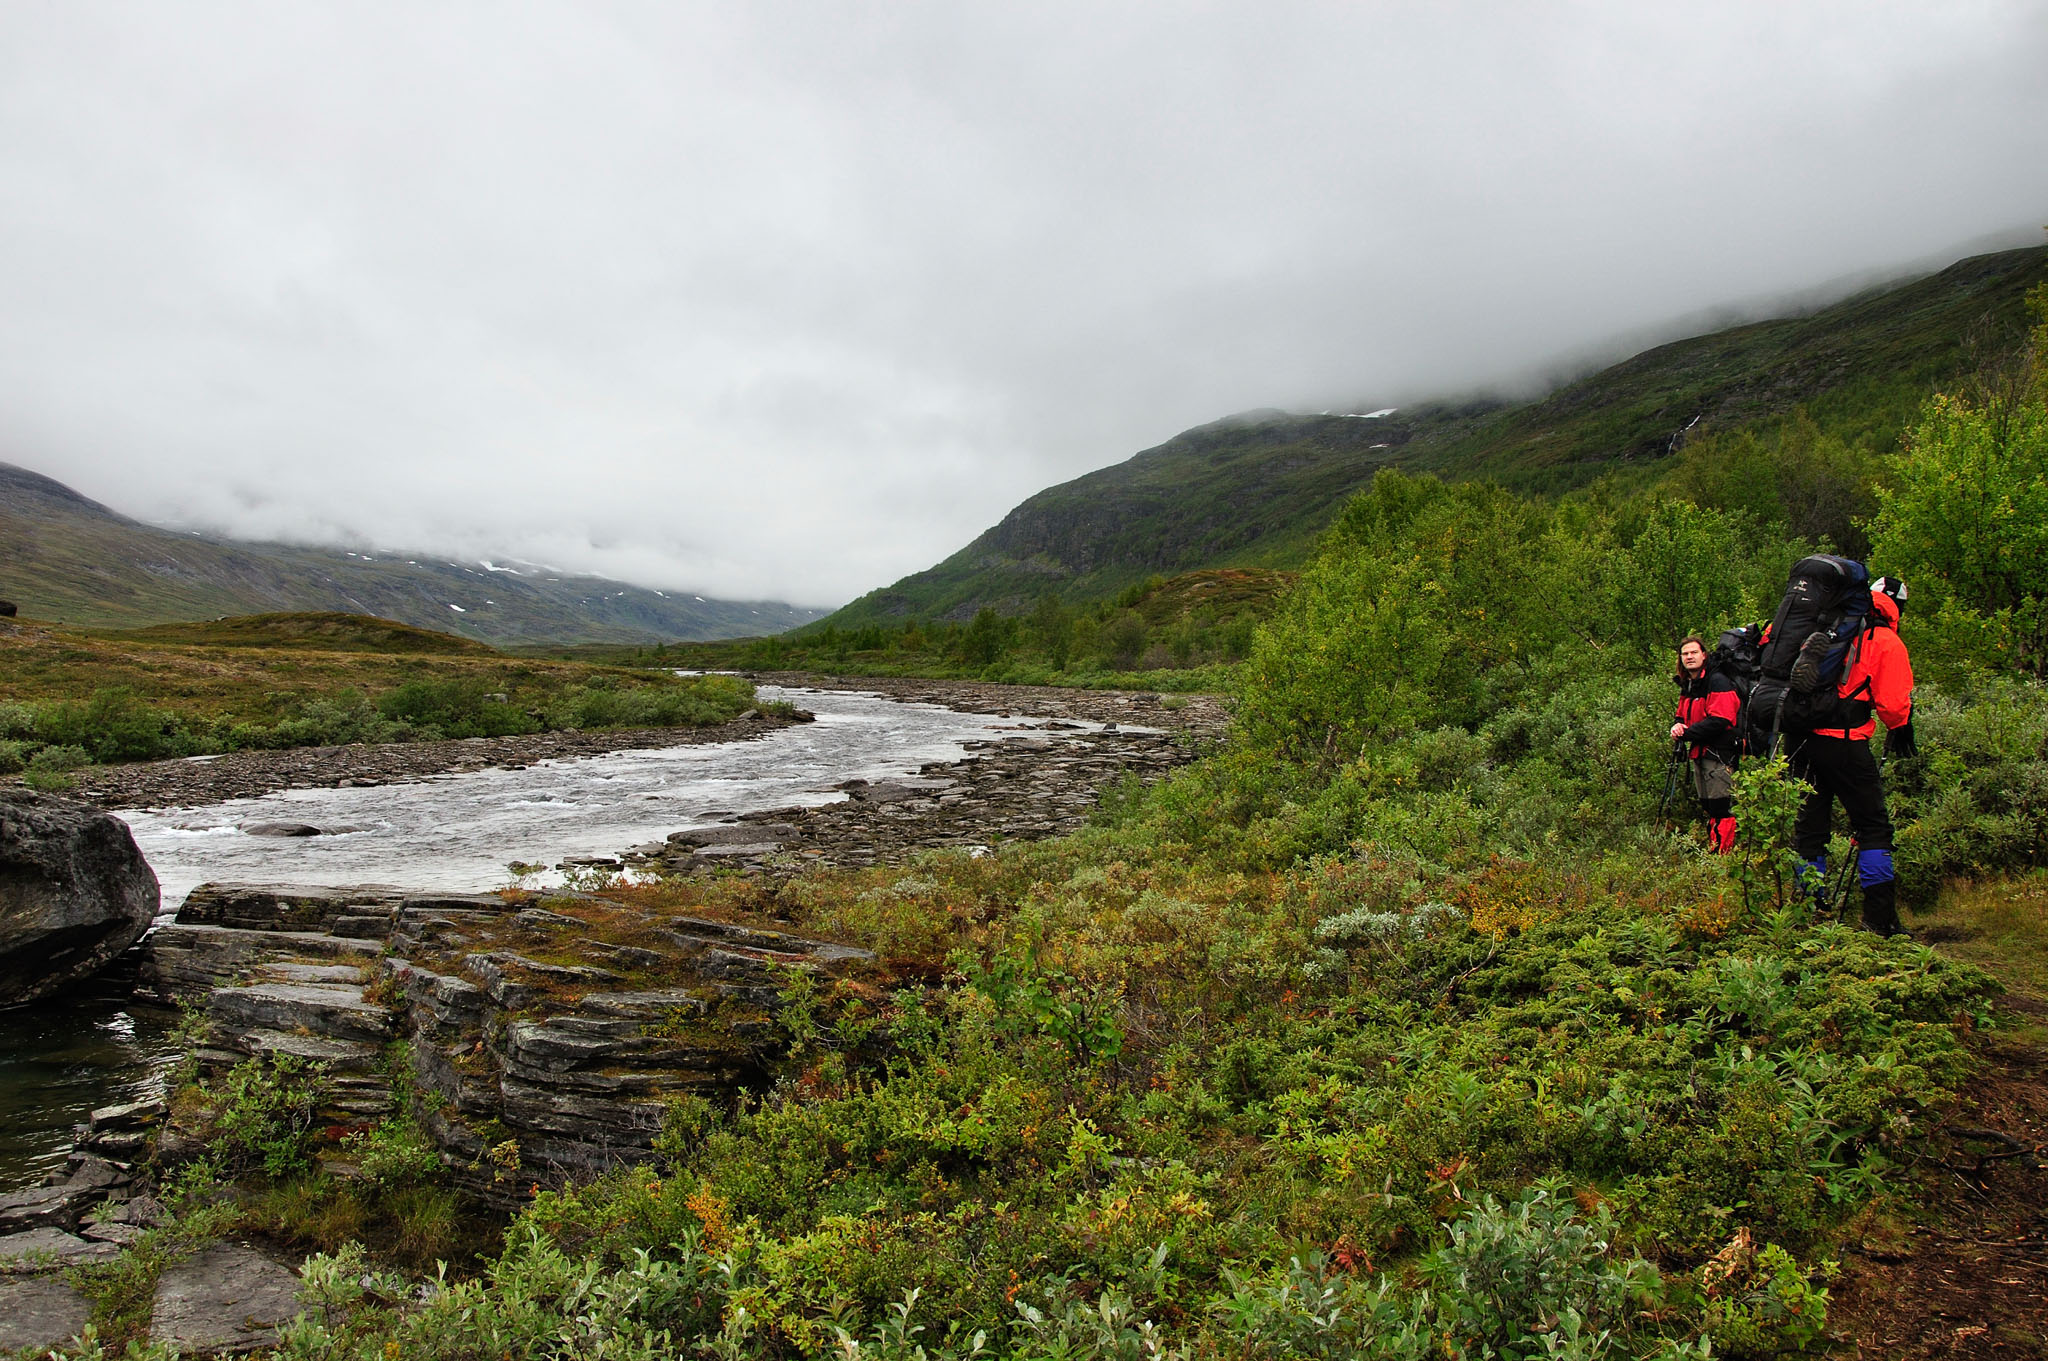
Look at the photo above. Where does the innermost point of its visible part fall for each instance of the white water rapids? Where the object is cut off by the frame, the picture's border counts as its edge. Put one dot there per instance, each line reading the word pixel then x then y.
pixel 459 832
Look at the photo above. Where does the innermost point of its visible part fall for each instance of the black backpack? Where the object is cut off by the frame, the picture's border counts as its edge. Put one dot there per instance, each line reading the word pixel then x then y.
pixel 1825 610
pixel 1739 656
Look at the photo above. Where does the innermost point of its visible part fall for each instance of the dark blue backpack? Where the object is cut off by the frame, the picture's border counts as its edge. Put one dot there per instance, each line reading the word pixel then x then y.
pixel 1824 611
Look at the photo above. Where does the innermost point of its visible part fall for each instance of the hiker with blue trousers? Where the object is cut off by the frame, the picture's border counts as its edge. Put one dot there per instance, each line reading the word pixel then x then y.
pixel 1877 682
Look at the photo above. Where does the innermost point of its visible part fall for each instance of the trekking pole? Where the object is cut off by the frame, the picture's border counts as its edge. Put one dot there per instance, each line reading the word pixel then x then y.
pixel 1672 769
pixel 1838 891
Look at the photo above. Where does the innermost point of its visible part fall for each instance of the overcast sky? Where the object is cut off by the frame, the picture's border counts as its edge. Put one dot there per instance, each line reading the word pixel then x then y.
pixel 787 300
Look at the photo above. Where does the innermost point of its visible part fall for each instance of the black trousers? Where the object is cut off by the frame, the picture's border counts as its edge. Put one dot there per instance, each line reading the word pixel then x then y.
pixel 1838 768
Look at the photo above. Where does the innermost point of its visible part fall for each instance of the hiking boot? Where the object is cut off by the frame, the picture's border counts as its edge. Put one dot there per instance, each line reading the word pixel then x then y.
pixel 1881 908
pixel 1805 677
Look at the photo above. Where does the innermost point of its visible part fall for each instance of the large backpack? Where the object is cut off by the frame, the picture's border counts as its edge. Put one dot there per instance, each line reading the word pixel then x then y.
pixel 1739 656
pixel 1825 609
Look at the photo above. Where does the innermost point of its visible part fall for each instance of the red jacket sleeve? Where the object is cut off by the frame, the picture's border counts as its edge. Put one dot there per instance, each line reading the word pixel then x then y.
pixel 1882 674
pixel 1891 678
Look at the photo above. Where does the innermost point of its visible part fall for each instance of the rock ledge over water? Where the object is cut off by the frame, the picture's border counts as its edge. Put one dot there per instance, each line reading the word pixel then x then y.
pixel 545 1043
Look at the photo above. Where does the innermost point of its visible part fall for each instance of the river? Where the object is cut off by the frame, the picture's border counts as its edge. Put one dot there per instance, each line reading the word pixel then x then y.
pixel 459 832
pixel 451 832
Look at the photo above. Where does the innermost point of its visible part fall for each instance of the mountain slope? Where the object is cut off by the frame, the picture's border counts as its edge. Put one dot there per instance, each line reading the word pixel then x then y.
pixel 64 557
pixel 1255 490
pixel 1861 369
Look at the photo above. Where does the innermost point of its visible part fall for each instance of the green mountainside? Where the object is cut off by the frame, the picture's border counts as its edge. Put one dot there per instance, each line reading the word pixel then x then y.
pixel 66 558
pixel 1255 490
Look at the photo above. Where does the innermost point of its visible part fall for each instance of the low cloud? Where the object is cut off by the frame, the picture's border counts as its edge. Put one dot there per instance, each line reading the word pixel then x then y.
pixel 788 300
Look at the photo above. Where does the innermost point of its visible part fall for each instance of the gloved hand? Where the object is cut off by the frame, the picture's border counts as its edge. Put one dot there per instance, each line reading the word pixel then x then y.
pixel 1899 741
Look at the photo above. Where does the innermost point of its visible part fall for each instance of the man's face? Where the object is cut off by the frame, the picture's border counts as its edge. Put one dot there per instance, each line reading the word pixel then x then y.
pixel 1692 656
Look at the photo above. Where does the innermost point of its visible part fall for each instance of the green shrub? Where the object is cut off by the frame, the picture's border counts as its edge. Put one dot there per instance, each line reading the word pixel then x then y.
pixel 324 721
pixel 1975 801
pixel 115 725
pixel 57 759
pixel 17 721
pixel 261 1115
pixel 1763 1304
pixel 436 709
pixel 394 1153
pixel 1963 516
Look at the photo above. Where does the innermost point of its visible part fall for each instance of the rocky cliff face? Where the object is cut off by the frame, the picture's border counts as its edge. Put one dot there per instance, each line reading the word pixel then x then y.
pixel 544 1042
pixel 74 892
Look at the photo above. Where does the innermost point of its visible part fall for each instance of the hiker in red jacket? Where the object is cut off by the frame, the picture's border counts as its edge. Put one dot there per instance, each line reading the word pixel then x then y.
pixel 1877 678
pixel 1705 722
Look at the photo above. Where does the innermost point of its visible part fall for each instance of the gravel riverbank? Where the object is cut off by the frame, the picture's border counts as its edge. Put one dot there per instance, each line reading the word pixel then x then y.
pixel 1013 789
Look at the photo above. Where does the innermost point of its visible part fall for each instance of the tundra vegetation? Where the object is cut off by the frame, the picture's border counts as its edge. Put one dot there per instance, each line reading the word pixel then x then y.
pixel 304 680
pixel 1397 1027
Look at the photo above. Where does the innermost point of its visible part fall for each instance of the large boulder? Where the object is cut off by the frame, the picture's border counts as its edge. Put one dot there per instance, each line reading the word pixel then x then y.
pixel 74 892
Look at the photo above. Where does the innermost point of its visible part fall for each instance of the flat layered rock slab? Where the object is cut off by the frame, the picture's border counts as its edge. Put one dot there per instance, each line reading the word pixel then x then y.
pixel 340 1056
pixel 43 1206
pixel 271 907
pixel 296 971
pixel 39 1312
pixel 332 1011
pixel 40 1250
pixel 179 961
pixel 229 1298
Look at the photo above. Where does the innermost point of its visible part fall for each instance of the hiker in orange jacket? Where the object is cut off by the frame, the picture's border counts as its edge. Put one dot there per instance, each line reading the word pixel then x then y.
pixel 1705 721
pixel 1877 679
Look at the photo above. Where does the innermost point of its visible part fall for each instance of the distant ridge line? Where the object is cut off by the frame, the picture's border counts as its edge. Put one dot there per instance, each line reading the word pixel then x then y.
pixel 65 557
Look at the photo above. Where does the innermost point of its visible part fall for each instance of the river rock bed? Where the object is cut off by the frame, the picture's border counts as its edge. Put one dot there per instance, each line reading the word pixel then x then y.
pixel 1014 789
pixel 250 774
